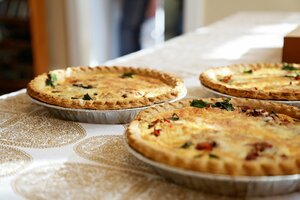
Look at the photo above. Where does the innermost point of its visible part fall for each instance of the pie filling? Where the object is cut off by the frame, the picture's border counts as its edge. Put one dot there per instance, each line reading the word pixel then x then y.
pixel 221 131
pixel 204 129
pixel 105 88
pixel 267 78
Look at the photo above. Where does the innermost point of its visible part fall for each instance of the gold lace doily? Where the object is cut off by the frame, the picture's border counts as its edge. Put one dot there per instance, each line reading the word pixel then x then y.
pixel 17 104
pixel 85 181
pixel 109 150
pixel 35 129
pixel 12 160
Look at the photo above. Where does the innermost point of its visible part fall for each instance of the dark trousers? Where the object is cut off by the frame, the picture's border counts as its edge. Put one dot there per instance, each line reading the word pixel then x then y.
pixel 133 15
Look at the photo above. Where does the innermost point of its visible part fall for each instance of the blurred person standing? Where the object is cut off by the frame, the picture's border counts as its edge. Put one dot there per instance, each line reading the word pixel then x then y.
pixel 135 31
pixel 134 13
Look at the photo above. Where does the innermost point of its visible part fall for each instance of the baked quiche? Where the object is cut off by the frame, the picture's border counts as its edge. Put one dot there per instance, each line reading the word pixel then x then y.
pixel 258 81
pixel 105 88
pixel 238 137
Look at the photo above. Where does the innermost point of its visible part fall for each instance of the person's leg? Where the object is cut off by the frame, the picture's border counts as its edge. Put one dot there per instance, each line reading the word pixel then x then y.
pixel 133 14
pixel 179 20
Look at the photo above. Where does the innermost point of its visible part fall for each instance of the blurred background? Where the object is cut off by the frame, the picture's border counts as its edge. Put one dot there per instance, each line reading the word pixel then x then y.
pixel 41 35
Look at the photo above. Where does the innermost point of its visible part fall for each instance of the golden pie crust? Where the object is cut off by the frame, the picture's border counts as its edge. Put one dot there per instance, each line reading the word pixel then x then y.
pixel 251 138
pixel 105 88
pixel 279 81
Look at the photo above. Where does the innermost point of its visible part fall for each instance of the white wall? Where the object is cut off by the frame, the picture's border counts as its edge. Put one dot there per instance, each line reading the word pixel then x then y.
pixel 204 12
pixel 90 25
pixel 193 14
pixel 216 9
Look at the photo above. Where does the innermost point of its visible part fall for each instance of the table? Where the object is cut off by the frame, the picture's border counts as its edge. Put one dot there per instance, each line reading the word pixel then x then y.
pixel 42 157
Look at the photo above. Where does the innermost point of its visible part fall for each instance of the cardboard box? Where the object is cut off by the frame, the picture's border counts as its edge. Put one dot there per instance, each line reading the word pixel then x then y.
pixel 291 47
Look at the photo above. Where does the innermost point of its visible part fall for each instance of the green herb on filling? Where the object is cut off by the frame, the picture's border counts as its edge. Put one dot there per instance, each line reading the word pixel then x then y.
pixel 199 103
pixel 213 156
pixel 248 71
pixel 51 78
pixel 127 75
pixel 174 117
pixel 288 67
pixel 224 105
pixel 186 145
pixel 86 97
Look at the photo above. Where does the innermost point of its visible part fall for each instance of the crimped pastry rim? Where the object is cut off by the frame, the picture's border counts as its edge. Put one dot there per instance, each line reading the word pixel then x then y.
pixel 99 111
pixel 164 157
pixel 205 174
pixel 211 83
pixel 176 84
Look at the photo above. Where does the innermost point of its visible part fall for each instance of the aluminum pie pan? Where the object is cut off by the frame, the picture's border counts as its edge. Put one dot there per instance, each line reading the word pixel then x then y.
pixel 219 94
pixel 240 186
pixel 121 116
